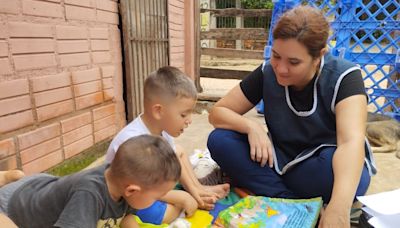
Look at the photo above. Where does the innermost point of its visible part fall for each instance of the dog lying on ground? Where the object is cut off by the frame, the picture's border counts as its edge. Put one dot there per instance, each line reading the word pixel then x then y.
pixel 383 133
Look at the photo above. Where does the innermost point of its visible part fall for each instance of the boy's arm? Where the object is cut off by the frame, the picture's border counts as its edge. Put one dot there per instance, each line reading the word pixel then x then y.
pixel 181 199
pixel 6 221
pixel 129 222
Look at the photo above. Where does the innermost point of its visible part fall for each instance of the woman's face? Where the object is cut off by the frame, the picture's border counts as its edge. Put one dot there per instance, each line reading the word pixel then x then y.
pixel 292 64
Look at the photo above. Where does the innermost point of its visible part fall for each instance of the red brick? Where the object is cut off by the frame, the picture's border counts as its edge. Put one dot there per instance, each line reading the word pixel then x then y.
pixel 71 32
pixel 175 9
pixel 103 123
pixel 15 121
pixel 174 18
pixel 104 134
pixel 26 62
pixel 7 6
pixel 107 5
pixel 104 111
pixel 40 8
pixel 52 96
pixel 74 59
pixel 76 122
pixel 23 29
pixel 51 82
pixel 80 13
pixel 24 46
pixel 7 148
pixel 88 100
pixel 5 66
pixel 176 34
pixel 107 71
pixel 72 46
pixel 99 33
pixel 14 88
pixel 8 163
pixel 54 110
pixel 179 4
pixel 77 134
pixel 108 94
pixel 39 135
pixel 85 75
pixel 108 83
pixel 40 150
pixel 3 30
pixel 100 45
pixel 107 17
pixel 3 49
pixel 43 163
pixel 15 104
pixel 85 3
pixel 77 147
pixel 101 57
pixel 86 88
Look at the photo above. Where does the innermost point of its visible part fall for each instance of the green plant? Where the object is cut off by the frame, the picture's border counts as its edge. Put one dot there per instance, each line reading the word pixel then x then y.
pixel 257 4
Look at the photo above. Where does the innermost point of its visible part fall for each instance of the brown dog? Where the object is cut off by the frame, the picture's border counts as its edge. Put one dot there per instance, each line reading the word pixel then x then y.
pixel 383 133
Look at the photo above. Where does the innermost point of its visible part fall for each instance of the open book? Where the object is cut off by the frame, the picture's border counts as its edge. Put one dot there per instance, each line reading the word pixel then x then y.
pixel 260 212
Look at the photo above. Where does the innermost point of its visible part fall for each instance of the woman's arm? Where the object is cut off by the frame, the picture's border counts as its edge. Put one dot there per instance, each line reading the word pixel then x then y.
pixel 228 113
pixel 348 160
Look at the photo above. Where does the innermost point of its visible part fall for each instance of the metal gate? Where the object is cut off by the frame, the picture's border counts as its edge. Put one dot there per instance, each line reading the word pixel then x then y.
pixel 145 41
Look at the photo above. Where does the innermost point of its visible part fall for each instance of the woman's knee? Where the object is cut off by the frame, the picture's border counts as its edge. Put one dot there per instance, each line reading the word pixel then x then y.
pixel 222 139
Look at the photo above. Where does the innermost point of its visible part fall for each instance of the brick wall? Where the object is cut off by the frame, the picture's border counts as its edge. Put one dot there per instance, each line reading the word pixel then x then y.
pixel 181 28
pixel 176 27
pixel 60 80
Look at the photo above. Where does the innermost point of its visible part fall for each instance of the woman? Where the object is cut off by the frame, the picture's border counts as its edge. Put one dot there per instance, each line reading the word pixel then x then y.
pixel 315 109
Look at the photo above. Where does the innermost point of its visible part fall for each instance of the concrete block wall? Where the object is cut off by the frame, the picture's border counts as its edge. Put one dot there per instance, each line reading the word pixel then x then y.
pixel 60 80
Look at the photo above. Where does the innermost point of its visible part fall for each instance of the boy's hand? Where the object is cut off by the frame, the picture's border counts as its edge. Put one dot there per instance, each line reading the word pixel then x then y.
pixel 129 222
pixel 188 204
pixel 205 200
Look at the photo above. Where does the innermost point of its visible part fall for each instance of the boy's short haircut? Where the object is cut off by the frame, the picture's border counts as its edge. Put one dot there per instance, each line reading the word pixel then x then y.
pixel 169 82
pixel 147 160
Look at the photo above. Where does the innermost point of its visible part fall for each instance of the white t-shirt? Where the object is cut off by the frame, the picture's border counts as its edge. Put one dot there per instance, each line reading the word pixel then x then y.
pixel 134 128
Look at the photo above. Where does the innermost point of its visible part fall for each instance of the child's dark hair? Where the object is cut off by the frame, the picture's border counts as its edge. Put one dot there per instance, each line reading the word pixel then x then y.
pixel 169 82
pixel 148 160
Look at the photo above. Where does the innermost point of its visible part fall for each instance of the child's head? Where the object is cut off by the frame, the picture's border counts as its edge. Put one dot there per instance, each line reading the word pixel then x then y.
pixel 170 97
pixel 144 169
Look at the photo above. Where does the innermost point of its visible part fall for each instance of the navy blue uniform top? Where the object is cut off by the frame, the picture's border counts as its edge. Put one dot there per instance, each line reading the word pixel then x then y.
pixel 301 122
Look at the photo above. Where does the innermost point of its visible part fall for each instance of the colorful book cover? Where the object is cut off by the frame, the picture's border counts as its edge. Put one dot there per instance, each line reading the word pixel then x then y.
pixel 261 212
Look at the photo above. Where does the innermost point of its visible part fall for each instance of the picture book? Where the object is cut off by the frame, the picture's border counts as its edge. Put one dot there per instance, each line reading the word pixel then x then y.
pixel 261 212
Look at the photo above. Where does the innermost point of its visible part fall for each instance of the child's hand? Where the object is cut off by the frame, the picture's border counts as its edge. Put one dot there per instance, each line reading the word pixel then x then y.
pixel 188 204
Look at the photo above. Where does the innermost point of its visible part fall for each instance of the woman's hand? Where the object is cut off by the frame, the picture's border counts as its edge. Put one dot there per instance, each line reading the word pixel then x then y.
pixel 260 145
pixel 188 204
pixel 335 215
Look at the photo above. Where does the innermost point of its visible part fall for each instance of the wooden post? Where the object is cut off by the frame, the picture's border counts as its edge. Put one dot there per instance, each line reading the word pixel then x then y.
pixel 213 23
pixel 239 24
pixel 197 53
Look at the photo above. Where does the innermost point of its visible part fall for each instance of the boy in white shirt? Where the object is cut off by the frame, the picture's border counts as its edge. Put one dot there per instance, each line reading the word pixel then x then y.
pixel 169 99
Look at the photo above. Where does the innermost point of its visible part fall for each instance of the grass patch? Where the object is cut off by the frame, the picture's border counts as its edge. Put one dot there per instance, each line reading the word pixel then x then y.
pixel 80 161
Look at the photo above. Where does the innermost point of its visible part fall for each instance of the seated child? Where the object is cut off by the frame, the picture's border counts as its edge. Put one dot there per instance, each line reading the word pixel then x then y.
pixel 169 99
pixel 144 170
